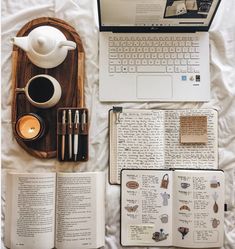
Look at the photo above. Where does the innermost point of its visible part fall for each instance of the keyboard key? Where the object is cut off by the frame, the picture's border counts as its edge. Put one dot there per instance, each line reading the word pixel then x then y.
pixel 112 49
pixel 183 62
pixel 115 62
pixel 113 56
pixel 124 62
pixel 120 50
pixel 180 56
pixel 170 62
pixel 193 62
pixel 157 62
pixel 125 69
pixel 144 62
pixel 151 69
pixel 135 56
pixel 154 56
pixel 178 50
pixel 165 50
pixel 191 50
pixel 195 43
pixel 164 62
pixel 183 69
pixel 159 49
pixel 147 55
pixel 167 56
pixel 146 49
pixel 170 69
pixel 111 69
pixel 194 56
pixel 133 50
pixel 118 69
pixel 188 44
pixel 177 62
pixel 132 69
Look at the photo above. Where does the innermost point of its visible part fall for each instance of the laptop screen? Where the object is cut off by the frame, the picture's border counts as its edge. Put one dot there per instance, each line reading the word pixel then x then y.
pixel 157 13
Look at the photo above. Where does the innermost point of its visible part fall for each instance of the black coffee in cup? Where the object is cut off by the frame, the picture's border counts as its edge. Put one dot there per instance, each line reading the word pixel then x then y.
pixel 41 89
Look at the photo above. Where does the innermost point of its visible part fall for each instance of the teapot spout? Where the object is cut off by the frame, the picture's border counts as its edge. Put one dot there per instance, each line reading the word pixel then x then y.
pixel 21 42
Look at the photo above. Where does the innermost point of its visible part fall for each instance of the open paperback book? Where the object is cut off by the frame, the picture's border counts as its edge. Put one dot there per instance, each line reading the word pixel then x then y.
pixel 154 139
pixel 182 208
pixel 61 210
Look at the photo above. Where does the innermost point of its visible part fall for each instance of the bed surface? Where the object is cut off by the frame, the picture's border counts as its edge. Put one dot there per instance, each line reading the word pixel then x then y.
pixel 82 15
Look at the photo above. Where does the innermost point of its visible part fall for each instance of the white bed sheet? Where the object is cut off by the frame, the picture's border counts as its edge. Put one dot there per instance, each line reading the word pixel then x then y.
pixel 82 14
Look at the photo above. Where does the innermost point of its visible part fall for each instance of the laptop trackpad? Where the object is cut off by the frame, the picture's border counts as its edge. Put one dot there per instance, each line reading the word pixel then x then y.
pixel 154 87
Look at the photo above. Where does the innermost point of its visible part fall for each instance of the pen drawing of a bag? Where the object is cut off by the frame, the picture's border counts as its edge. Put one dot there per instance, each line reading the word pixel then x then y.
pixel 165 181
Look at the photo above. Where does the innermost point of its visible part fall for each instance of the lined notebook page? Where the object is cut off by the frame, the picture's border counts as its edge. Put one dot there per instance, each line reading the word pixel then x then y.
pixel 140 140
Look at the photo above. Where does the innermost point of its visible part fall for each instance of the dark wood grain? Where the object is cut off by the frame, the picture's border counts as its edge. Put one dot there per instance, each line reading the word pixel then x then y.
pixel 70 75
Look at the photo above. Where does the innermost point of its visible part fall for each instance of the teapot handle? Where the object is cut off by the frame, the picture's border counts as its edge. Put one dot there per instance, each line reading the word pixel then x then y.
pixel 69 44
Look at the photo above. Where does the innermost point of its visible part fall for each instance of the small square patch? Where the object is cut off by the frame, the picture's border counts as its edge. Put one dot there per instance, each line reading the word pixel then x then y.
pixel 193 129
pixel 183 77
pixel 198 78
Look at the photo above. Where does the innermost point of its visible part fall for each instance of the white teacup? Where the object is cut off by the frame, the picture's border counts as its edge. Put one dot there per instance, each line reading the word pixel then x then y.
pixel 42 91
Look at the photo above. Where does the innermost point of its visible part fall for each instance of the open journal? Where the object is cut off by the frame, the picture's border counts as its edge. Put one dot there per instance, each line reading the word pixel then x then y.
pixel 182 208
pixel 154 139
pixel 62 210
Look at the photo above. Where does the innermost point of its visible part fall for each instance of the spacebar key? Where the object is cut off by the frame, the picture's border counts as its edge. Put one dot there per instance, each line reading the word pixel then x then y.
pixel 151 69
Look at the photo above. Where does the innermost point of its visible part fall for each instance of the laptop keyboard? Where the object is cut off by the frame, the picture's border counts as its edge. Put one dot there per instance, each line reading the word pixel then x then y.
pixel 136 54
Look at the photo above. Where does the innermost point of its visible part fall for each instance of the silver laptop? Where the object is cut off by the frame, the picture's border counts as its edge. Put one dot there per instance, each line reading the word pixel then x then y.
pixel 155 50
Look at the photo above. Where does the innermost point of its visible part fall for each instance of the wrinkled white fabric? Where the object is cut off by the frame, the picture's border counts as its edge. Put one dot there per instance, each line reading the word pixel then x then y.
pixel 82 14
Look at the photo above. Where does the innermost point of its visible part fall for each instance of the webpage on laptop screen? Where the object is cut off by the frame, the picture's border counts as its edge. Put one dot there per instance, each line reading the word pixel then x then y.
pixel 157 12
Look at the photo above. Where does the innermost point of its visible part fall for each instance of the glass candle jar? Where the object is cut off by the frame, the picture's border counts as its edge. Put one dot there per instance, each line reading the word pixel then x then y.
pixel 30 127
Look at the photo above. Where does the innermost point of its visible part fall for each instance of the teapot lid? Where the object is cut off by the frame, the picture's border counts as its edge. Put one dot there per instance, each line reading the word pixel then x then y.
pixel 42 44
pixel 43 39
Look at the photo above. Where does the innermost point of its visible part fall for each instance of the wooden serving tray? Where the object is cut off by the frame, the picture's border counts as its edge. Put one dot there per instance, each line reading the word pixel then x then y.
pixel 70 75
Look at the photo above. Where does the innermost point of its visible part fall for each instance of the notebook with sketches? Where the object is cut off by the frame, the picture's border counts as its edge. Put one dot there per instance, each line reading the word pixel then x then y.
pixel 180 208
pixel 156 139
pixel 155 50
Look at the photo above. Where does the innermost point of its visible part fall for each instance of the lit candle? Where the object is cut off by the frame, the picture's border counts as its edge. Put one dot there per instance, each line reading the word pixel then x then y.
pixel 29 127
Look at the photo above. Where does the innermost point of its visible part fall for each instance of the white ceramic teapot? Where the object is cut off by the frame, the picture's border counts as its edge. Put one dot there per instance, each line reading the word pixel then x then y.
pixel 46 46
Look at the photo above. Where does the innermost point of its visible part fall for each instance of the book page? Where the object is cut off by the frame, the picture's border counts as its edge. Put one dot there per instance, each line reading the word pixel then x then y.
pixel 31 210
pixel 80 210
pixel 192 155
pixel 199 208
pixel 139 141
pixel 146 208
